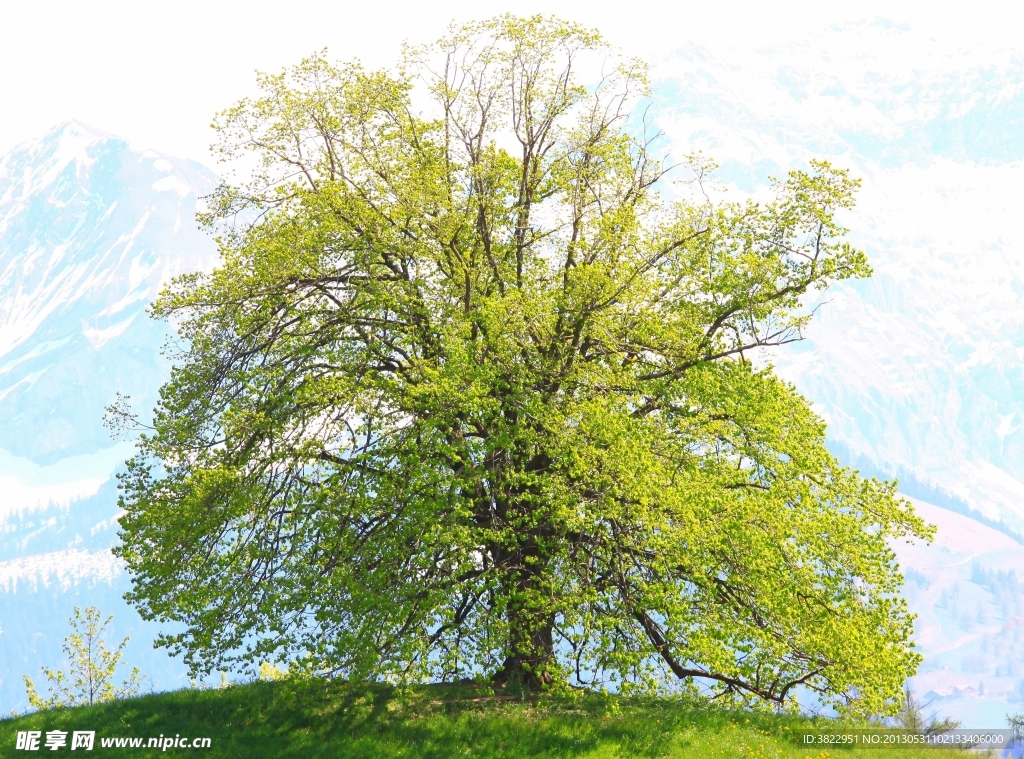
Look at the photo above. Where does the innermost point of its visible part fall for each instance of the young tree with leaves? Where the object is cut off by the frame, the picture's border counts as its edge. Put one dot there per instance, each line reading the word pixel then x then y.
pixel 91 667
pixel 471 397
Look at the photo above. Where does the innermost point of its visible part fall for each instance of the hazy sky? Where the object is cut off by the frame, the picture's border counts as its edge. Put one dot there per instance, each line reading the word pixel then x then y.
pixel 157 72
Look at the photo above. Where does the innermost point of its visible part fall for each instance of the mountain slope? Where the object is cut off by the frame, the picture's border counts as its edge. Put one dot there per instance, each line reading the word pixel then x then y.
pixel 90 229
pixel 919 370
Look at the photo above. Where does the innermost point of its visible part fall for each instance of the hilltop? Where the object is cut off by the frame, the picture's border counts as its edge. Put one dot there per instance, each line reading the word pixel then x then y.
pixel 281 719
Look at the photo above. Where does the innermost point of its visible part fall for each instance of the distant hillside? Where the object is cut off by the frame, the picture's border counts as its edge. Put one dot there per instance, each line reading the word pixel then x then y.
pixel 919 370
pixel 90 229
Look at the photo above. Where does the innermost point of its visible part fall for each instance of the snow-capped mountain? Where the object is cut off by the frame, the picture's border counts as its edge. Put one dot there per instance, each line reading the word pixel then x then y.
pixel 90 228
pixel 918 370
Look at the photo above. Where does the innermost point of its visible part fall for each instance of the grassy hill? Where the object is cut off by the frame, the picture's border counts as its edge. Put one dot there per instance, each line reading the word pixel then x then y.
pixel 283 720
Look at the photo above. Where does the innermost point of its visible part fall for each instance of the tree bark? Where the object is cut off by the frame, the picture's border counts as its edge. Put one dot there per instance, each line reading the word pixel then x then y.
pixel 529 656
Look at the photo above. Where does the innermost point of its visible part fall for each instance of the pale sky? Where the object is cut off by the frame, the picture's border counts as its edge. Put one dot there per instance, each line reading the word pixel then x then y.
pixel 155 73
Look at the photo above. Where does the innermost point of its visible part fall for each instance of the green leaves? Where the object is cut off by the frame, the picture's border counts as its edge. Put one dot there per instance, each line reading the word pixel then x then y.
pixel 470 397
pixel 91 667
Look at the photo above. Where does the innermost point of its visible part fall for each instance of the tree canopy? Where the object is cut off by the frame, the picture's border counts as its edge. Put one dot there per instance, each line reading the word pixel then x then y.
pixel 471 395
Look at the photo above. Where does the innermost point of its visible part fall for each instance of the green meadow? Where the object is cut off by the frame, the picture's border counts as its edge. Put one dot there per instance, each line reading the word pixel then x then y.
pixel 287 719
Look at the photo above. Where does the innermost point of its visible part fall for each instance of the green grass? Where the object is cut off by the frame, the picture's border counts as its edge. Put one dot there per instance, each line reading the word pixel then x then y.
pixel 283 719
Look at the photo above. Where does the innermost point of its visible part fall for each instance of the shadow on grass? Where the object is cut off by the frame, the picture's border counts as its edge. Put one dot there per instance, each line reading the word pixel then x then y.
pixel 315 719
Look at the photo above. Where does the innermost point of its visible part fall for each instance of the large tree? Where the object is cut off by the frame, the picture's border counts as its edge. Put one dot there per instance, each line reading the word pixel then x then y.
pixel 468 395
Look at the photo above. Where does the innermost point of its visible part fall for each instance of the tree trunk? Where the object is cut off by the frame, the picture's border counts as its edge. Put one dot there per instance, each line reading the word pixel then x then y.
pixel 529 650
pixel 530 654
